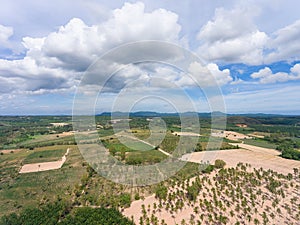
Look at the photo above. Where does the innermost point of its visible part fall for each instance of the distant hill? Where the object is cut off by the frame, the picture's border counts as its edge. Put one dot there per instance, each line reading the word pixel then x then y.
pixel 158 114
pixel 242 120
pixel 138 114
pixel 248 119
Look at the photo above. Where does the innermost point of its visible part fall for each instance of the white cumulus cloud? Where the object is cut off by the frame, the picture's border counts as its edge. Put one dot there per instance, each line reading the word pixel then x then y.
pixel 231 36
pixel 5 34
pixel 207 76
pixel 58 60
pixel 266 75
pixel 285 44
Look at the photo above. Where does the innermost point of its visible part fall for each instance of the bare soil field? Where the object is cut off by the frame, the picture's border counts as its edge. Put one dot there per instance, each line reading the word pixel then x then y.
pixel 59 124
pixel 256 156
pixel 44 166
pixel 187 134
pixel 6 151
pixel 37 167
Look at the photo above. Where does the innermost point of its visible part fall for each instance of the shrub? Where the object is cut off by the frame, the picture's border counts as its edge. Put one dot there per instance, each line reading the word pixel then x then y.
pixel 125 200
pixel 208 169
pixel 219 164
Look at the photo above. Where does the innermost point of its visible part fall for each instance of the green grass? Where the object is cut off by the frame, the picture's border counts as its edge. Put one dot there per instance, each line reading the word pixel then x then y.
pixel 138 145
pixel 129 146
pixel 105 132
pixel 144 157
pixel 44 156
pixel 140 133
pixel 260 143
pixel 170 142
pixel 44 141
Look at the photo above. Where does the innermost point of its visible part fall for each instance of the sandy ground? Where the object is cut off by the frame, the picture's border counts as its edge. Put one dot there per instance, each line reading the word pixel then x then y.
pixel 136 207
pixel 64 134
pixel 187 134
pixel 5 151
pixel 59 124
pixel 256 135
pixel 37 167
pixel 256 156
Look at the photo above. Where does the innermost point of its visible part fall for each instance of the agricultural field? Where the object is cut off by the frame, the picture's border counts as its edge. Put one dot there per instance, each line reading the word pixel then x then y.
pixel 225 196
pixel 19 191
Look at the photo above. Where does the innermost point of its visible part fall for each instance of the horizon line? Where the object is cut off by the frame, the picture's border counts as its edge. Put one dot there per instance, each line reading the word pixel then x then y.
pixel 99 114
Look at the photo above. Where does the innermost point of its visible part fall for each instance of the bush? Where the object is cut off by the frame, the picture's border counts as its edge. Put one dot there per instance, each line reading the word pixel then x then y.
pixel 208 169
pixel 137 196
pixel 219 164
pixel 125 200
pixel 198 148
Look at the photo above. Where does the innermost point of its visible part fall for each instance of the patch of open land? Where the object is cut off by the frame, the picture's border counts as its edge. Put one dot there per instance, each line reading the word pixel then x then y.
pixel 187 134
pixel 5 151
pixel 256 156
pixel 44 166
pixel 59 124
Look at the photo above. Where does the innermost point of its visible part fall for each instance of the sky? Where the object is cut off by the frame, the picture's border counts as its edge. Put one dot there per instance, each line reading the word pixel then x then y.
pixel 54 54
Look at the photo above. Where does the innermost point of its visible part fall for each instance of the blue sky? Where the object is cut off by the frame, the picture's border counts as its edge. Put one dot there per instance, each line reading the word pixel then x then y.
pixel 250 48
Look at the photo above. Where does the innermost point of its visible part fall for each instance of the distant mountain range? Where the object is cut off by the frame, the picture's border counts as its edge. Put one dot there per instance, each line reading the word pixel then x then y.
pixel 158 114
pixel 248 119
pixel 204 114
